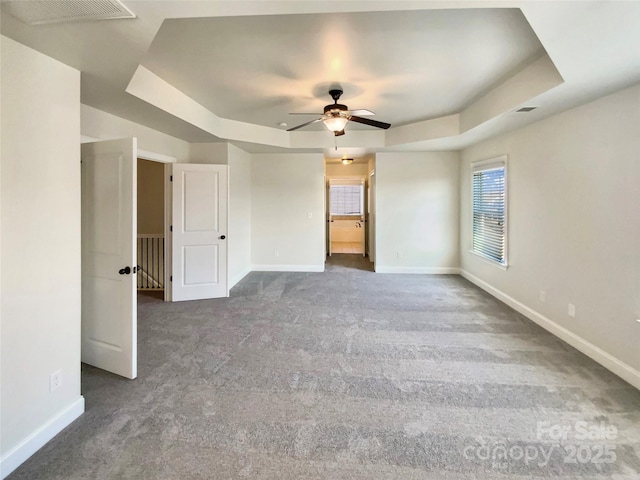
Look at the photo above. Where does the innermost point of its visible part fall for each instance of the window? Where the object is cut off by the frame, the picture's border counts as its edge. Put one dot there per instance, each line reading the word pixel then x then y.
pixel 489 210
pixel 346 199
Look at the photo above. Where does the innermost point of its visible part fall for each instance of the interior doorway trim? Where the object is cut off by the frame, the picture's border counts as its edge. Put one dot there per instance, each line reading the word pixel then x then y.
pixel 143 154
pixel 156 157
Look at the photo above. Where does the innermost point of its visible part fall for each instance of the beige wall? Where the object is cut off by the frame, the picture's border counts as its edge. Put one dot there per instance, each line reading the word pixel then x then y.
pixel 287 189
pixel 150 197
pixel 96 124
pixel 212 153
pixel 417 212
pixel 346 171
pixel 239 214
pixel 40 217
pixel 573 222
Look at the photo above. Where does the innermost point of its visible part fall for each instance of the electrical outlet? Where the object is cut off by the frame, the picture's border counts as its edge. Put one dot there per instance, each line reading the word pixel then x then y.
pixel 55 380
pixel 310 215
pixel 571 311
pixel 399 254
pixel 277 253
pixel 542 296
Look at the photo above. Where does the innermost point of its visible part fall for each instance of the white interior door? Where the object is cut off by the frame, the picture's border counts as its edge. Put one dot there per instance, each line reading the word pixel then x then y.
pixel 199 231
pixel 109 320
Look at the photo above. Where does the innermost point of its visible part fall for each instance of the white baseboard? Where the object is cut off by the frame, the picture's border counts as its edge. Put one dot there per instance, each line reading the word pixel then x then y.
pixel 419 270
pixel 288 268
pixel 30 445
pixel 234 281
pixel 608 361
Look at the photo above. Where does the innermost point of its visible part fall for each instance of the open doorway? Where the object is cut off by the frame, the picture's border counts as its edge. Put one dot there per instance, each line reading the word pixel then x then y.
pixel 347 204
pixel 154 200
pixel 150 238
pixel 347 230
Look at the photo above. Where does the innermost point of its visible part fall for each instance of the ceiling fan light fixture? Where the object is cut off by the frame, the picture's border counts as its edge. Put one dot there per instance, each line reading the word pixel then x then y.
pixel 347 161
pixel 335 124
pixel 336 115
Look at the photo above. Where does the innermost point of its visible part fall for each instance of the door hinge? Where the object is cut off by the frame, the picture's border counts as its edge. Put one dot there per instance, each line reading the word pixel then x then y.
pixel 171 228
pixel 171 178
pixel 171 278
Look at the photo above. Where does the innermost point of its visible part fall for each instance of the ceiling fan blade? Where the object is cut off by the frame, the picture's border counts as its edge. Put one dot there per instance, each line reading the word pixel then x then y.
pixel 304 125
pixel 361 112
pixel 368 121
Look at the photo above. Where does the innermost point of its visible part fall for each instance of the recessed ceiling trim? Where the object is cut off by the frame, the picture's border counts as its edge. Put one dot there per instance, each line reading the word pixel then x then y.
pixel 38 12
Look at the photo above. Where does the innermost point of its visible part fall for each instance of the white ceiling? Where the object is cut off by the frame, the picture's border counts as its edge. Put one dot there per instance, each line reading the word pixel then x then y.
pixel 405 66
pixel 445 74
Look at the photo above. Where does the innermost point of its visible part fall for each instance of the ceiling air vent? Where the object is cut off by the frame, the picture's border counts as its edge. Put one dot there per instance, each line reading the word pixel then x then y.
pixel 36 12
pixel 526 109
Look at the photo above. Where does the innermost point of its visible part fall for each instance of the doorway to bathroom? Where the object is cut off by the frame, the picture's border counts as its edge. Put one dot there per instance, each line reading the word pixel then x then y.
pixel 346 202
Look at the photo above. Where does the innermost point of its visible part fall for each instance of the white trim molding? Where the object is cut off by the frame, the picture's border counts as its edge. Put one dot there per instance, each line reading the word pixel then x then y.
pixel 419 270
pixel 143 154
pixel 34 442
pixel 608 361
pixel 156 157
pixel 287 268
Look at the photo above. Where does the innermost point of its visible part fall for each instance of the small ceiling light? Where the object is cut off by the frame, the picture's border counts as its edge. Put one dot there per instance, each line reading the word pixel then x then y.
pixel 283 124
pixel 347 161
pixel 335 123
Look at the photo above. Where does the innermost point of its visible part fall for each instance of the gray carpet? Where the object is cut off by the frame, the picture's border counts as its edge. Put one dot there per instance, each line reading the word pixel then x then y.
pixel 348 374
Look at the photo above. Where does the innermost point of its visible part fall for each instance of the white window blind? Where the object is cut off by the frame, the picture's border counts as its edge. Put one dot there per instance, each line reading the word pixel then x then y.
pixel 346 199
pixel 489 212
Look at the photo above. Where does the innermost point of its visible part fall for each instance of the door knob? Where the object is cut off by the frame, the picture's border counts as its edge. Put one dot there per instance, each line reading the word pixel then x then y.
pixel 222 237
pixel 125 271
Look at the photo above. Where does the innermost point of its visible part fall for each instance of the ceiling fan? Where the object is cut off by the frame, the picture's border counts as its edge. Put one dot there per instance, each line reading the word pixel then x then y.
pixel 336 116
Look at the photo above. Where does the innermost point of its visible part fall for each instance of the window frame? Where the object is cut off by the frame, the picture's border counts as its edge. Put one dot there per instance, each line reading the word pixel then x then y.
pixel 485 165
pixel 360 184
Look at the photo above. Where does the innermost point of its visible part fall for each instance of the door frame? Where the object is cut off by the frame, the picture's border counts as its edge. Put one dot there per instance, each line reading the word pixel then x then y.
pixel 371 216
pixel 361 180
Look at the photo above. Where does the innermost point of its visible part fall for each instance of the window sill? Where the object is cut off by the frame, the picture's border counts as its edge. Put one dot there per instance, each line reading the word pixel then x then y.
pixel 487 260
